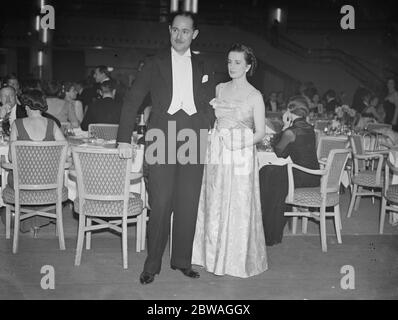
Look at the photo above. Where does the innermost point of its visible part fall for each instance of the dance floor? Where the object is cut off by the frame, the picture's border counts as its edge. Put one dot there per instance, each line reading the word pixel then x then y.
pixel 297 268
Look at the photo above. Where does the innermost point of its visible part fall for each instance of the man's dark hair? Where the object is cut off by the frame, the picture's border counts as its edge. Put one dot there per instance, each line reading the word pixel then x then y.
pixel 187 14
pixel 330 93
pixel 103 69
pixel 108 86
pixel 11 76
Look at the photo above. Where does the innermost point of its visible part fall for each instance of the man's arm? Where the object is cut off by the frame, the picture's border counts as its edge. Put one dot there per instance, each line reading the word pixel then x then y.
pixel 132 101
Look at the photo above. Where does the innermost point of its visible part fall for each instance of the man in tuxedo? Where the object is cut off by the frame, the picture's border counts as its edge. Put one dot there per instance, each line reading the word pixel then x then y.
pixel 331 101
pixel 105 110
pixel 180 88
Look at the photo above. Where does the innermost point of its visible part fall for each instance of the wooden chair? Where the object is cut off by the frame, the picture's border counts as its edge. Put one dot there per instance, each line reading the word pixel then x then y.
pixel 103 130
pixel 389 200
pixel 137 180
pixel 375 126
pixel 103 183
pixel 38 171
pixel 363 177
pixel 327 195
pixel 327 144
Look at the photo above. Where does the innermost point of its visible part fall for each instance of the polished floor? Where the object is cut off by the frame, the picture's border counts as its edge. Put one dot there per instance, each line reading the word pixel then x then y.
pixel 297 268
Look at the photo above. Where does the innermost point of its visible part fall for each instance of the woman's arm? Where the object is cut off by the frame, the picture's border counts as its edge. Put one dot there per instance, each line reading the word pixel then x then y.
pixel 259 119
pixel 72 118
pixel 79 111
pixel 58 135
pixel 281 148
pixel 375 114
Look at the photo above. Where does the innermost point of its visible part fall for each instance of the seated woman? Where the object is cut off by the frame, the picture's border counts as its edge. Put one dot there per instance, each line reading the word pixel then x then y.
pixel 296 140
pixel 371 109
pixel 34 127
pixel 63 104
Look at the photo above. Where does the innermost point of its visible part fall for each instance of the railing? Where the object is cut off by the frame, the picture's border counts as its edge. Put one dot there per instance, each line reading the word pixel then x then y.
pixel 350 63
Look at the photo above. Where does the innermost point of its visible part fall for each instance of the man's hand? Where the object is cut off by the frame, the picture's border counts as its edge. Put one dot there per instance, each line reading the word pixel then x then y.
pixel 126 150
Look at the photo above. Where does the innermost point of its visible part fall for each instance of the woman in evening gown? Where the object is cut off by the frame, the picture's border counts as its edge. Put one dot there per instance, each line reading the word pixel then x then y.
pixel 229 237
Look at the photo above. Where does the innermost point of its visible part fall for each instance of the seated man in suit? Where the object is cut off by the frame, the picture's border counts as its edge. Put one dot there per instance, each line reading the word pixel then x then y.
pixel 105 110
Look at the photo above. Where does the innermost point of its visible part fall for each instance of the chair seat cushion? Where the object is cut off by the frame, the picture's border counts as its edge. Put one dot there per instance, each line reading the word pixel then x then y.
pixel 110 208
pixel 367 179
pixel 392 193
pixel 311 197
pixel 33 197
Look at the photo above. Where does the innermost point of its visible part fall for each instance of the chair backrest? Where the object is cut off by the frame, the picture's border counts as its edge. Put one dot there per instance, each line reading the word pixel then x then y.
pixel 335 165
pixel 38 165
pixel 321 124
pixel 375 126
pixel 328 143
pixel 389 166
pixel 65 126
pixel 104 131
pixel 138 162
pixel 358 148
pixel 101 174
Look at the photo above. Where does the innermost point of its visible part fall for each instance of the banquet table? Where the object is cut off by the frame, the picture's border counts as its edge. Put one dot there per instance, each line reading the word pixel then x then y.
pixel 81 139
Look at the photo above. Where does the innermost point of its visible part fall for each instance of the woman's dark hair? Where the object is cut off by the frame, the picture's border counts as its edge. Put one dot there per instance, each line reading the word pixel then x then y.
pixel 250 58
pixel 186 14
pixel 66 86
pixel 298 105
pixel 35 100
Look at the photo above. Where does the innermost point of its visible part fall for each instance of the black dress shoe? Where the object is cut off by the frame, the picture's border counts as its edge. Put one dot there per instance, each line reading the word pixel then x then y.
pixel 189 272
pixel 146 277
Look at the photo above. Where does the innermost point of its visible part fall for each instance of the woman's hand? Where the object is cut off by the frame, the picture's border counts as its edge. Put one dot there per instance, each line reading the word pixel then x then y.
pixel 287 120
pixel 217 103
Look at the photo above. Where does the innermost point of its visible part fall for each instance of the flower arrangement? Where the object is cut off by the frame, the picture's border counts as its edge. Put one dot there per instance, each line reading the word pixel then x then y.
pixel 345 115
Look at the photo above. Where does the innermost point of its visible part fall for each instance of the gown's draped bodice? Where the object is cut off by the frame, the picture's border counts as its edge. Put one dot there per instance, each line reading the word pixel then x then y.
pixel 233 113
pixel 240 116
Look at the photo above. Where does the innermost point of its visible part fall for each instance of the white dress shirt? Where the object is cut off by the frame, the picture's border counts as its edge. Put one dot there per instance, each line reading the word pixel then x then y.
pixel 182 83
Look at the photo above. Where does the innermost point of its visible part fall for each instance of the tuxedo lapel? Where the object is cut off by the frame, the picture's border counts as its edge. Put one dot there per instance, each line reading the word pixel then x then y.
pixel 166 72
pixel 196 72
